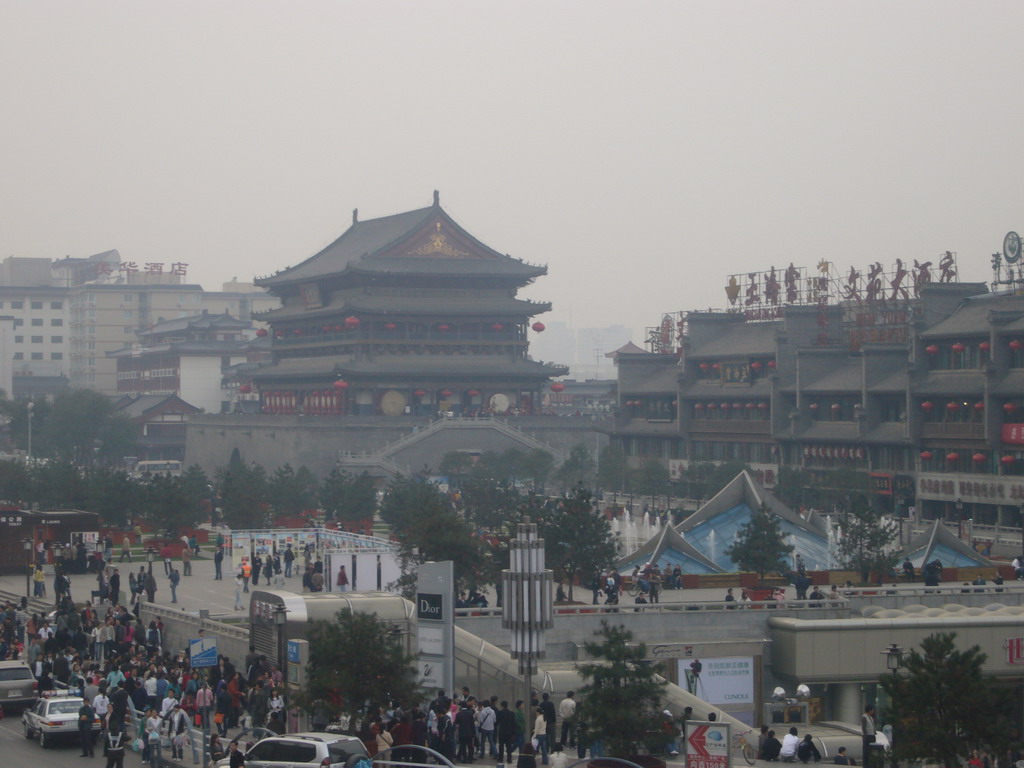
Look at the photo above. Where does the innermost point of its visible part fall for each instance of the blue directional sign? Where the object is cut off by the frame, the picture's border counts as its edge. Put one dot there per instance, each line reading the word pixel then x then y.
pixel 293 651
pixel 202 652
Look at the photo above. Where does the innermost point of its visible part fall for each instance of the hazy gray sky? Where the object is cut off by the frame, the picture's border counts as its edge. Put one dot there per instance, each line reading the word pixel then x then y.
pixel 643 150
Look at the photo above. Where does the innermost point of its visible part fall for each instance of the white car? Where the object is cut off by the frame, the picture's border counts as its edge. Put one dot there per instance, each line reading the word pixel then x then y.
pixel 55 718
pixel 297 750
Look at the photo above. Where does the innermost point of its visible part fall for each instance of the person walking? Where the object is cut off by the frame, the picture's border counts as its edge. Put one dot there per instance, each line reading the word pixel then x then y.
pixel 238 594
pixel 540 733
pixel 867 732
pixel 115 746
pixel 567 711
pixel 126 548
pixel 175 578
pixel 218 564
pixel 246 573
pixel 289 558
pixel 186 562
pixel 342 580
pixel 114 587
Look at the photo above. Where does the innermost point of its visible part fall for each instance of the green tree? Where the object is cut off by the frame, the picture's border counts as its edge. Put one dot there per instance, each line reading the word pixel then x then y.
pixel 243 494
pixel 943 706
pixel 347 497
pixel 759 546
pixel 866 545
pixel 15 482
pixel 385 672
pixel 577 537
pixel 578 468
pixel 81 427
pixel 428 528
pixel 490 503
pixel 612 469
pixel 114 495
pixel 652 479
pixel 168 504
pixel 57 484
pixel 537 465
pixel 836 489
pixel 622 694
pixel 292 492
pixel 703 480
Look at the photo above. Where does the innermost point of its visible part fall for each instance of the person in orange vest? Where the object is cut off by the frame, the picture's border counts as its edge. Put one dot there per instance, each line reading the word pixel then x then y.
pixel 246 573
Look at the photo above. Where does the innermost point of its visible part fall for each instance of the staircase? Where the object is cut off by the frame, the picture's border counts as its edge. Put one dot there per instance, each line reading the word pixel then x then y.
pixel 383 459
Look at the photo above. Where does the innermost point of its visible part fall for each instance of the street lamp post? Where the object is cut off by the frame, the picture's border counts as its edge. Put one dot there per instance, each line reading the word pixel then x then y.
pixel 150 581
pixel 27 545
pixel 959 518
pixel 29 409
pixel 893 662
pixel 527 609
pixel 281 620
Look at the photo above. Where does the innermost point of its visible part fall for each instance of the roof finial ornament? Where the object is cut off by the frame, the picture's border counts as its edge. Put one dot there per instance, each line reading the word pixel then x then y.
pixel 355 215
pixel 437 197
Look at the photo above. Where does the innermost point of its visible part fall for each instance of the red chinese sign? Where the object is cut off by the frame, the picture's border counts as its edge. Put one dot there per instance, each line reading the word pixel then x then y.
pixel 708 745
pixel 1013 434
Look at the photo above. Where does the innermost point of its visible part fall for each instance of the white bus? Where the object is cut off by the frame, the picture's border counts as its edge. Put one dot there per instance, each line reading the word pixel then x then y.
pixel 162 467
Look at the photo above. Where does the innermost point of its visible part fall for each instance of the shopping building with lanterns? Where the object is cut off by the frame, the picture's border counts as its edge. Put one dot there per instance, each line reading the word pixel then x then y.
pixel 908 376
pixel 406 314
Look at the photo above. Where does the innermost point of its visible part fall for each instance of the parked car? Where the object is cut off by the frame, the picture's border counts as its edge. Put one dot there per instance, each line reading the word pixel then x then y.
pixel 55 718
pixel 324 750
pixel 18 686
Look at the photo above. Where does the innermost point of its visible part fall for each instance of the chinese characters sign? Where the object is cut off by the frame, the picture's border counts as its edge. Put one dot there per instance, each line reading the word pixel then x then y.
pixel 178 268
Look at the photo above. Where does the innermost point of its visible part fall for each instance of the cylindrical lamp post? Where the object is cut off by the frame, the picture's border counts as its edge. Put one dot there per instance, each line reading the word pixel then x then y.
pixel 528 609
pixel 281 621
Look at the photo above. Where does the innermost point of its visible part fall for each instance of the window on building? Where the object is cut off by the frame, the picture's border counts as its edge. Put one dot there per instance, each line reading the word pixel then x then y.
pixel 37 355
pixel 18 322
pixel 56 339
pixel 17 305
pixel 56 355
pixel 35 305
pixel 19 355
pixel 129 314
pixel 56 305
pixel 129 298
pixel 37 321
pixel 37 339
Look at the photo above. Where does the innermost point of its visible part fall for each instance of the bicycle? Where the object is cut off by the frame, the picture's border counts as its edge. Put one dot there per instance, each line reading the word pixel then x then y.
pixel 744 747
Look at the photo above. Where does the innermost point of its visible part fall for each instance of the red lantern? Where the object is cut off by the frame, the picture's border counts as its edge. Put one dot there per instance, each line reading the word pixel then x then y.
pixel 726 406
pixel 835 406
pixel 326 329
pixel 297 331
pixel 927 406
pixel 1009 407
pixel 762 406
pixel 979 406
pixel 932 349
pixel 952 406
pixel 699 407
pixel 245 389
pixel 755 366
pixel 771 363
pixel 557 386
pixel 1007 460
pixel 1016 344
pixel 444 327
pixel 814 406
pixel 953 457
pixel 750 406
pixel 340 384
pixel 712 406
pixel 472 392
pixel 446 393
pixel 337 329
pixel 390 326
pixel 984 346
pixel 538 326
pixel 978 458
pixel 352 321
pixel 927 455
pixel 716 366
pixel 279 334
pixel 497 327
pixel 958 347
pixel 261 332
pixel 704 366
pixel 419 392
